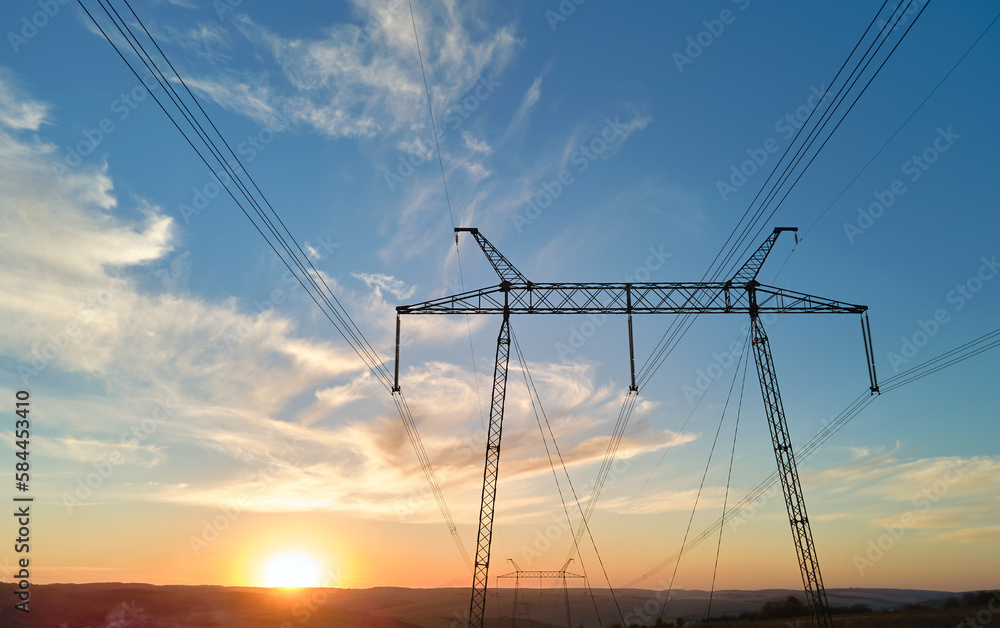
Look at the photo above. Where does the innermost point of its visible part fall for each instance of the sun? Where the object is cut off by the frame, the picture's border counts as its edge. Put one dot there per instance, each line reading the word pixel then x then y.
pixel 292 571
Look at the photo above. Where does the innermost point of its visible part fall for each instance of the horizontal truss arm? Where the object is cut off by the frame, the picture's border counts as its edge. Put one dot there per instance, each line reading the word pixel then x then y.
pixel 540 574
pixel 634 298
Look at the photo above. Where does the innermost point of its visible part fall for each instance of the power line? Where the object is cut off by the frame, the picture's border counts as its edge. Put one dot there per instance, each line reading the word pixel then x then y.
pixel 900 127
pixel 679 327
pixel 682 324
pixel 529 383
pixel 704 476
pixel 839 122
pixel 287 249
pixel 451 213
pixel 729 480
pixel 949 358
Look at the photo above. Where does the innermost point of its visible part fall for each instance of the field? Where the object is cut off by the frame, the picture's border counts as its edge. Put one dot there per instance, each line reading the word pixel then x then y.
pixel 125 605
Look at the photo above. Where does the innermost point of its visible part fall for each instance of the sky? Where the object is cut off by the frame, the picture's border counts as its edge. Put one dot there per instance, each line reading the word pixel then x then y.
pixel 193 416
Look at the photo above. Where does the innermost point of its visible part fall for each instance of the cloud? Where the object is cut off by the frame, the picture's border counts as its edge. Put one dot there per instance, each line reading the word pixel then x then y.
pixel 982 534
pixel 519 121
pixel 669 500
pixel 244 386
pixel 87 450
pixel 363 81
pixel 17 112
pixel 254 101
pixel 476 146
pixel 885 476
pixel 396 287
pixel 208 40
pixel 76 300
pixel 947 495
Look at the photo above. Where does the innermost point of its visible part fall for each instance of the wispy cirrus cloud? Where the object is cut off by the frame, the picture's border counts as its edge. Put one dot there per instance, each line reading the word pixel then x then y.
pixel 350 83
pixel 17 111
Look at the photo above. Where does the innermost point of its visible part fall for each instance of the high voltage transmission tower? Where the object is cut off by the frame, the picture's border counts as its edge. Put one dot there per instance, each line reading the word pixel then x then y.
pixel 742 294
pixel 560 573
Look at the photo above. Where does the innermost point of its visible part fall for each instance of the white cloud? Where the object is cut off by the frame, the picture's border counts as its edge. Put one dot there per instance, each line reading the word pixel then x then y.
pixel 363 81
pixel 17 111
pixel 477 146
pixel 396 287
pixel 89 450
pixel 71 300
pixel 519 120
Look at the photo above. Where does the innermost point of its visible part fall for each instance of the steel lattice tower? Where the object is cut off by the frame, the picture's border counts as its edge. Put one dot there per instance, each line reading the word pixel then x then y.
pixel 742 294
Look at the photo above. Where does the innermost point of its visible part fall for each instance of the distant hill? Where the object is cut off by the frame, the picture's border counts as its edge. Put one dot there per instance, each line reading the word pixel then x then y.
pixel 126 605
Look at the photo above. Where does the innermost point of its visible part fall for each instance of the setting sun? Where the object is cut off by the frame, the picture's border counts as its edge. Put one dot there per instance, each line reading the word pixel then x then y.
pixel 292 571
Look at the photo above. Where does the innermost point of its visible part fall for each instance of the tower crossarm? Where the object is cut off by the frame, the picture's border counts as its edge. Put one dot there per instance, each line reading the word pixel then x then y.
pixel 628 298
pixel 541 574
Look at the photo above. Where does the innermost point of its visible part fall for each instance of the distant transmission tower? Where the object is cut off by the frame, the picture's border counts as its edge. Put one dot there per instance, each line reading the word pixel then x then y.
pixel 560 573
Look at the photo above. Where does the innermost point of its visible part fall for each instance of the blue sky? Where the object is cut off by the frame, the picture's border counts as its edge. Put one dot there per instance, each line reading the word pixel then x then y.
pixel 325 105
